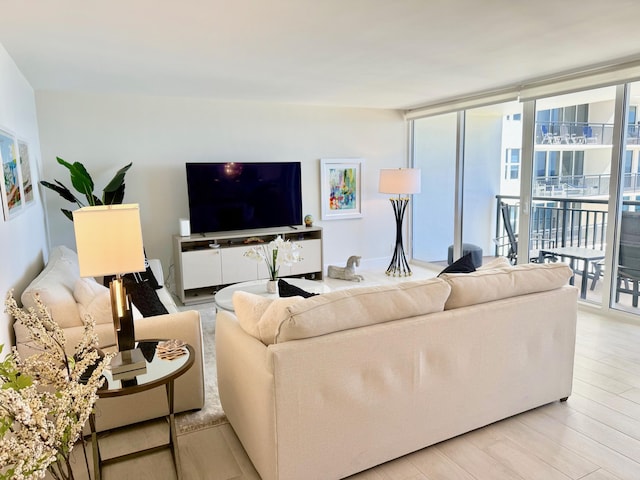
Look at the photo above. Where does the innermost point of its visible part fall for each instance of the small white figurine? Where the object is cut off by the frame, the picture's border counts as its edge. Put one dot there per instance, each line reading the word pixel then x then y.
pixel 348 272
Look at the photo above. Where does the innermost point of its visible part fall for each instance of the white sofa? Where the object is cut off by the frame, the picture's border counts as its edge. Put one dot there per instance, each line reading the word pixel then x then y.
pixel 68 298
pixel 324 387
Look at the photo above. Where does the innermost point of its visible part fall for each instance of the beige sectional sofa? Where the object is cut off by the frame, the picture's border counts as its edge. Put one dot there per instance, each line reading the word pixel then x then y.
pixel 69 298
pixel 324 387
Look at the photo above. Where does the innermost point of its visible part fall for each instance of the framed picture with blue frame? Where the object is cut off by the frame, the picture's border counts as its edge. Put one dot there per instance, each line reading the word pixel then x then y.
pixel 341 188
pixel 11 192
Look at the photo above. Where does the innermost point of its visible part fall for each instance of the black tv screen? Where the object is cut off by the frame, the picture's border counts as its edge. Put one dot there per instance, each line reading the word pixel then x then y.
pixel 239 196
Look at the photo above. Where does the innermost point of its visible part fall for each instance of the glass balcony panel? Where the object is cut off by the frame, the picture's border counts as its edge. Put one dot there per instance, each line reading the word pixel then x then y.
pixel 434 151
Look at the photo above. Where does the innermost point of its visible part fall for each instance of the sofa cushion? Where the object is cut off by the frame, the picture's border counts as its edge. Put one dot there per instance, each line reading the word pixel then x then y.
pixel 249 307
pixel 55 285
pixel 488 285
pixel 353 308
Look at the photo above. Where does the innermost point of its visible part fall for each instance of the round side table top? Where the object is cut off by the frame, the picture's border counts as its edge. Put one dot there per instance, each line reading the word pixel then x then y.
pixel 157 371
pixel 223 297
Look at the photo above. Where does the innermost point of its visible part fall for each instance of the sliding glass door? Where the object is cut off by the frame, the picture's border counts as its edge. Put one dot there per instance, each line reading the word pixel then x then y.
pixel 576 176
pixel 573 147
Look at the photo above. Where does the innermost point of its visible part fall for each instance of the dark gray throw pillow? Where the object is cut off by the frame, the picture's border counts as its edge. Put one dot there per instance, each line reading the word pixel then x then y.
pixel 144 297
pixel 287 290
pixel 462 265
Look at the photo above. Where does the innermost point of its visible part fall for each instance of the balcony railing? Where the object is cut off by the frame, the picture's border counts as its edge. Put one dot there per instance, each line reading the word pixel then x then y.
pixel 576 133
pixel 560 222
pixel 582 133
pixel 582 185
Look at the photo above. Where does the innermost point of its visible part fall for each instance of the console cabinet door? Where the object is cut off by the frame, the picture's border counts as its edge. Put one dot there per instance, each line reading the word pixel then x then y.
pixel 311 254
pixel 201 268
pixel 236 267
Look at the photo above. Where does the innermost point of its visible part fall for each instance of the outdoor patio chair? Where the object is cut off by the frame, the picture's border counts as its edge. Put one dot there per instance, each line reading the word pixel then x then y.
pixel 589 137
pixel 546 136
pixel 565 137
pixel 628 280
pixel 629 257
pixel 512 238
pixel 629 272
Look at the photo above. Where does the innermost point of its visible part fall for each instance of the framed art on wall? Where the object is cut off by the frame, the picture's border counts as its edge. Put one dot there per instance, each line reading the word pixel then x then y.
pixel 25 172
pixel 341 188
pixel 11 191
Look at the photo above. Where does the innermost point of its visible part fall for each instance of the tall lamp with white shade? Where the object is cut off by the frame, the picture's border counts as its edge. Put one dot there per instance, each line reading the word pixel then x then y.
pixel 402 182
pixel 109 242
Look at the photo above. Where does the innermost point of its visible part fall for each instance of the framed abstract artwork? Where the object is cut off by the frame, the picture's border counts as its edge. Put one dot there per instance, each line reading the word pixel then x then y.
pixel 341 188
pixel 11 191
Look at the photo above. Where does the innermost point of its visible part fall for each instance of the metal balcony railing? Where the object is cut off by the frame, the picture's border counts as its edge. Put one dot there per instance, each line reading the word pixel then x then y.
pixel 582 185
pixel 558 222
pixel 576 133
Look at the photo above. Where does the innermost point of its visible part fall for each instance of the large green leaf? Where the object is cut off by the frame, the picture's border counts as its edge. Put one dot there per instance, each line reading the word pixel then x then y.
pixel 118 179
pixel 114 198
pixel 80 179
pixel 61 190
pixel 113 193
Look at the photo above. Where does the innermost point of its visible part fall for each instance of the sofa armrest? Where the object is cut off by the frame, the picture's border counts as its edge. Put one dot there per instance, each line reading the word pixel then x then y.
pixel 156 268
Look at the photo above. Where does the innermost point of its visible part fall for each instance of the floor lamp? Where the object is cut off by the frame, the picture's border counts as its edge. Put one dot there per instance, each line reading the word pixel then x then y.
pixel 109 242
pixel 402 182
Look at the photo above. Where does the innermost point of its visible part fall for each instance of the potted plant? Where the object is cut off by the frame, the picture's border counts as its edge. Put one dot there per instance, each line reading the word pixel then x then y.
pixel 274 254
pixel 112 194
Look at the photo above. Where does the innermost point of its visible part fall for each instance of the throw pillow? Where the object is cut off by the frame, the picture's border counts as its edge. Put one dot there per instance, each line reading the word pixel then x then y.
pixel 144 297
pixel 462 265
pixel 285 289
pixel 93 299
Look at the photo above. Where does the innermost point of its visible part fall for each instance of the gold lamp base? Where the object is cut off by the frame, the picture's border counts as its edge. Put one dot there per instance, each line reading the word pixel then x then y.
pixel 122 316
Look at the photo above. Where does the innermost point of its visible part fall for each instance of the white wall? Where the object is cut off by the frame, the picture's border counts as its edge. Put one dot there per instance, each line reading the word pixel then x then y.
pixel 23 238
pixel 160 134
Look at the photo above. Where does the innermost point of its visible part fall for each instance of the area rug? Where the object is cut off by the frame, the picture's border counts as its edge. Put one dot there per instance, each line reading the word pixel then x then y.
pixel 211 414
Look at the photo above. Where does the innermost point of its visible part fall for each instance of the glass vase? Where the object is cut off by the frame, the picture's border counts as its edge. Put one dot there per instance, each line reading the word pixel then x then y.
pixel 272 286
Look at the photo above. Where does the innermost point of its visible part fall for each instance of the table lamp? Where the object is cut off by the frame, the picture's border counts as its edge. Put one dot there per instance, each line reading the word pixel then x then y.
pixel 109 242
pixel 401 182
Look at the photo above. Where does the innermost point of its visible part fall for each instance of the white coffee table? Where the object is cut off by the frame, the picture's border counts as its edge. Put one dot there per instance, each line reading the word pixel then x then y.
pixel 223 297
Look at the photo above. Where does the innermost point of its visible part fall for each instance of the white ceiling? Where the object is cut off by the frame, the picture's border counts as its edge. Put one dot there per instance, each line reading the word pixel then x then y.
pixel 365 53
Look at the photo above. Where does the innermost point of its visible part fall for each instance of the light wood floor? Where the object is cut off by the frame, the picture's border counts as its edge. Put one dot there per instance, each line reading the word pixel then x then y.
pixel 595 435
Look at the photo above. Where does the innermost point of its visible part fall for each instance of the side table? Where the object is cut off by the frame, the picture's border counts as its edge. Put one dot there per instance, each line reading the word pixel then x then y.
pixel 158 372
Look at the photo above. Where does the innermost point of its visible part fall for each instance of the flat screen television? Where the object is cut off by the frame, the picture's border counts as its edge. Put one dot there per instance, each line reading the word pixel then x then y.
pixel 240 196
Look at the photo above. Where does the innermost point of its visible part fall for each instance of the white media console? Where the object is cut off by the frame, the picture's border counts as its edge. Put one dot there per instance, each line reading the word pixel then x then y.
pixel 204 263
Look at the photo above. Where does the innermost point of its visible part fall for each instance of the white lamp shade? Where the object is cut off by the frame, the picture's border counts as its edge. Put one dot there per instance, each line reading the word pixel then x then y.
pixel 109 240
pixel 399 180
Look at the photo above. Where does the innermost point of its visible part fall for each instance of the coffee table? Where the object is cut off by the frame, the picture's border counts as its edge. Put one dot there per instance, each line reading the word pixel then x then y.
pixel 223 297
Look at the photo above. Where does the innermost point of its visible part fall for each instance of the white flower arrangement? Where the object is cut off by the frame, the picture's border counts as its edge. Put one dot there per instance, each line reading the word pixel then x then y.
pixel 276 253
pixel 45 400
